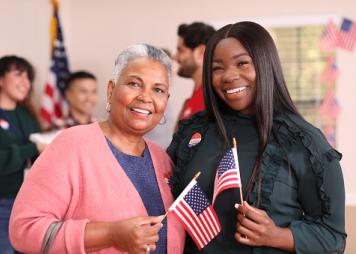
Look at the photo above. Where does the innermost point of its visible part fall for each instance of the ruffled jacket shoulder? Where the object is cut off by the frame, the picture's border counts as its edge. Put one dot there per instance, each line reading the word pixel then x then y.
pixel 288 132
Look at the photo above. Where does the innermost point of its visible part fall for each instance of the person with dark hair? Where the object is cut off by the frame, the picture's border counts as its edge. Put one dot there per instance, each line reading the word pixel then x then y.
pixel 81 95
pixel 292 181
pixel 108 192
pixel 17 122
pixel 192 40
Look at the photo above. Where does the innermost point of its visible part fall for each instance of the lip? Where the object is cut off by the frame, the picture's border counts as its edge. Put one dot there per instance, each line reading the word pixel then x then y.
pixel 141 111
pixel 235 89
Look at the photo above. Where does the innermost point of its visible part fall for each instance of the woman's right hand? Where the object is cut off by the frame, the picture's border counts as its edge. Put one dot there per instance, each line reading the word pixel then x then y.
pixel 134 234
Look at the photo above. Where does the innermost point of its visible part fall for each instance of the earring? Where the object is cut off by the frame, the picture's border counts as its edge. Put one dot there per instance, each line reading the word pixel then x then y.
pixel 108 107
pixel 164 120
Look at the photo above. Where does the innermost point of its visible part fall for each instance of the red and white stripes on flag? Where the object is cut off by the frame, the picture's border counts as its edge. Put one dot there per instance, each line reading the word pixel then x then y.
pixel 347 34
pixel 228 173
pixel 330 38
pixel 53 103
pixel 196 214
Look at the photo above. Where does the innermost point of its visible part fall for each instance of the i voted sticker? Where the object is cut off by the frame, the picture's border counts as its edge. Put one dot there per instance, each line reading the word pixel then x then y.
pixel 196 138
pixel 4 124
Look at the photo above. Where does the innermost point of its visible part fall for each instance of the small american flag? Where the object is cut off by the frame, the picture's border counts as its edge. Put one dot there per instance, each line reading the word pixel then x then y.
pixel 347 34
pixel 228 173
pixel 53 103
pixel 330 38
pixel 196 214
pixel 330 73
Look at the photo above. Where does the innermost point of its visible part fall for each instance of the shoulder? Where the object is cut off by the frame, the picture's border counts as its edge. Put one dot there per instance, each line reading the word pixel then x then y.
pixel 196 122
pixel 292 127
pixel 77 135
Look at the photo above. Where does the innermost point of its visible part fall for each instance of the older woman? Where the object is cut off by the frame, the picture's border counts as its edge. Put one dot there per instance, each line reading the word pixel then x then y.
pixel 103 185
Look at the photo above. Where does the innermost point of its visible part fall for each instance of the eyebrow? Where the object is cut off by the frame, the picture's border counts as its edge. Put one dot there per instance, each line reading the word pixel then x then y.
pixel 141 80
pixel 234 57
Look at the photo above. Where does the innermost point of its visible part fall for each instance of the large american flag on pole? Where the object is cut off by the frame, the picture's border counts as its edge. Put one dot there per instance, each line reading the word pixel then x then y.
pixel 347 34
pixel 53 102
pixel 228 173
pixel 196 214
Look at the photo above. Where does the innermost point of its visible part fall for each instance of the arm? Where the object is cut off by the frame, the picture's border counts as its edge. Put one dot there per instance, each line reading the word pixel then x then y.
pixel 321 229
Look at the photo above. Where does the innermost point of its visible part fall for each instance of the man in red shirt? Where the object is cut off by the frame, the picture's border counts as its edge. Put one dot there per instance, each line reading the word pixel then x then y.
pixel 192 40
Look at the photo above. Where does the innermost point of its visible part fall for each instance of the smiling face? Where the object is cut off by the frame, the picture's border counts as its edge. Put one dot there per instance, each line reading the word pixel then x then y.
pixel 15 85
pixel 234 76
pixel 82 96
pixel 186 59
pixel 139 97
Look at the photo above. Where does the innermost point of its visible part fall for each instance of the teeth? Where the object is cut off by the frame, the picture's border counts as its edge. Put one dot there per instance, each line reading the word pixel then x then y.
pixel 142 111
pixel 236 90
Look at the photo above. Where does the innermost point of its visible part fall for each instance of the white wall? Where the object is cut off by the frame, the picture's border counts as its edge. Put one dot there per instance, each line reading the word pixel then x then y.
pixel 96 30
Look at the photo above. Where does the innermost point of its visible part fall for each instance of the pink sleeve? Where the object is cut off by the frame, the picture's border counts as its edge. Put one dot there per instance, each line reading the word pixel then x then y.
pixel 49 193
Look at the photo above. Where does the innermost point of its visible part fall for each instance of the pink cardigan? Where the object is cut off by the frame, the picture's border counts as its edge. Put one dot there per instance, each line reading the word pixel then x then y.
pixel 77 179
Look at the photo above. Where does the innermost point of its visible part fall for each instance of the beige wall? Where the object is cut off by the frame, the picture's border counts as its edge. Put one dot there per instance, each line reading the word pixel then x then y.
pixel 96 30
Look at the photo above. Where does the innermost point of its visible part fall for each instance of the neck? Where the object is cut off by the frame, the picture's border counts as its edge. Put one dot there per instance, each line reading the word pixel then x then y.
pixel 80 117
pixel 198 77
pixel 126 143
pixel 7 103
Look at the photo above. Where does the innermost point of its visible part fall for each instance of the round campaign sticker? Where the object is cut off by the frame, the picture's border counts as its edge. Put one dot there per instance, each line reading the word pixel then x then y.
pixel 196 138
pixel 4 124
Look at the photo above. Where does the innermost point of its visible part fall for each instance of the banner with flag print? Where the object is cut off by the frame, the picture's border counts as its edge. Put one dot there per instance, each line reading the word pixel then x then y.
pixel 227 174
pixel 330 38
pixel 196 214
pixel 347 34
pixel 53 103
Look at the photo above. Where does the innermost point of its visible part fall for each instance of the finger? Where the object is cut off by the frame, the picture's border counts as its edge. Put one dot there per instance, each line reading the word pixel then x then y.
pixel 257 215
pixel 149 220
pixel 244 240
pixel 247 223
pixel 244 231
pixel 150 230
pixel 153 247
pixel 256 210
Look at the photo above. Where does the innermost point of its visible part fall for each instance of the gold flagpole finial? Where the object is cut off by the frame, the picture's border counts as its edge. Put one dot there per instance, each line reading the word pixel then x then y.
pixel 234 142
pixel 196 175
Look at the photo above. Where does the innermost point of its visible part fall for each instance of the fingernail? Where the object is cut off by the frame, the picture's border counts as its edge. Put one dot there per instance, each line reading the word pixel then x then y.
pixel 237 206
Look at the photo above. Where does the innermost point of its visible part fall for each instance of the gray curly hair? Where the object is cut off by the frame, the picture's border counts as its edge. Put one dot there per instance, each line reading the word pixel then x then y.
pixel 141 50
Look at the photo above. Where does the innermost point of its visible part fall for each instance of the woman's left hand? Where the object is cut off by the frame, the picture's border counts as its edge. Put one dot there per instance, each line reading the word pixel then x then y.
pixel 255 228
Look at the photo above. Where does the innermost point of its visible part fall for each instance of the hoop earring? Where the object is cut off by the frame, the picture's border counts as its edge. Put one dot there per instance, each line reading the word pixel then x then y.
pixel 164 120
pixel 108 107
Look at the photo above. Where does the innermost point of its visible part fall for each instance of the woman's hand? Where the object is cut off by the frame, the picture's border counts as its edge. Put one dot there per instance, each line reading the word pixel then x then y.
pixel 255 228
pixel 135 234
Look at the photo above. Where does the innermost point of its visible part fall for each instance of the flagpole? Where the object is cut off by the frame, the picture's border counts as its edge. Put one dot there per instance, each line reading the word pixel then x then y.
pixel 237 165
pixel 194 178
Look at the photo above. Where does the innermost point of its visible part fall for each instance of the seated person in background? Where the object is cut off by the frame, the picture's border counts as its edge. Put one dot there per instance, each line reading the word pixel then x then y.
pixel 17 122
pixel 81 95
pixel 107 192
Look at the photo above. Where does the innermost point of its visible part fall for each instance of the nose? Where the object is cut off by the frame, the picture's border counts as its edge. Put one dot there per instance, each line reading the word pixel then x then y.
pixel 230 75
pixel 145 96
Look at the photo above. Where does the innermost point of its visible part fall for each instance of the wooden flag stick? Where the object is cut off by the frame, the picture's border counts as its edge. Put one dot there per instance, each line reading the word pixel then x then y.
pixel 194 178
pixel 237 165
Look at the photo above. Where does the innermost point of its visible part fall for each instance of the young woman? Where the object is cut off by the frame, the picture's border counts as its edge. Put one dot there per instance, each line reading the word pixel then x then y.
pixel 291 177
pixel 17 122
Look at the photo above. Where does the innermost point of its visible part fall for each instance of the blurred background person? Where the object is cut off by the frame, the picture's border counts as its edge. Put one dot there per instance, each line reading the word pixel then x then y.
pixel 17 122
pixel 81 93
pixel 192 40
pixel 110 187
